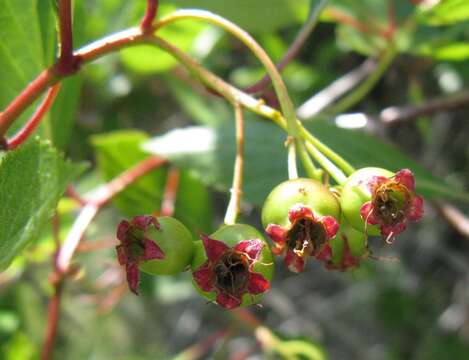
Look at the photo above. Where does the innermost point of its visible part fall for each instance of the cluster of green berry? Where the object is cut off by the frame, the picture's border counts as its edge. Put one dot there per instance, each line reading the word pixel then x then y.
pixel 304 219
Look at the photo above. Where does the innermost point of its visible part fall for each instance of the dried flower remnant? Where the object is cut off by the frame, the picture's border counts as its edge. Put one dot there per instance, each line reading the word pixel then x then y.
pixel 307 235
pixel 135 247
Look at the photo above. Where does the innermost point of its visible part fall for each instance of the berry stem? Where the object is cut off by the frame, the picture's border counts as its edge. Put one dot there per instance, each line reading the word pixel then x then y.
pixel 292 166
pixel 234 205
pixel 326 164
pixel 279 86
pixel 310 168
pixel 232 94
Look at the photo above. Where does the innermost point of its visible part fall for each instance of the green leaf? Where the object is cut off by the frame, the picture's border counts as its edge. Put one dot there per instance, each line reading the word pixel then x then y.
pixel 254 16
pixel 22 52
pixel 32 180
pixel 446 12
pixel 62 113
pixel 210 153
pixel 148 59
pixel 193 204
pixel 456 51
pixel 118 151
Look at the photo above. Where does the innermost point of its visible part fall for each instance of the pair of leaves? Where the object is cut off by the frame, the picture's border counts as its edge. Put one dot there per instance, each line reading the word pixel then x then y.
pixel 210 152
pixel 32 180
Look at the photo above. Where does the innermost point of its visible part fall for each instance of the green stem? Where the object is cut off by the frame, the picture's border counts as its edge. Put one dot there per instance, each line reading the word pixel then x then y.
pixel 234 205
pixel 326 164
pixel 292 168
pixel 233 94
pixel 365 87
pixel 308 164
pixel 343 164
pixel 279 86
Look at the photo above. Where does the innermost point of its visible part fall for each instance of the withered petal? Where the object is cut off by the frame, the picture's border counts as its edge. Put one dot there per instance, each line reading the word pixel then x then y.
pixel 294 262
pixel 330 224
pixel 416 210
pixel 228 301
pixel 257 284
pixel 299 211
pixel 152 250
pixel 252 248
pixel 213 248
pixel 133 277
pixel 406 178
pixel 204 277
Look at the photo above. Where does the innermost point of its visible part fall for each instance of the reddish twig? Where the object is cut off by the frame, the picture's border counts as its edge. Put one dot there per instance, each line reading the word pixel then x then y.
pixel 72 193
pixel 98 198
pixel 95 201
pixel 454 217
pixel 389 33
pixel 51 76
pixel 294 49
pixel 169 196
pixel 22 135
pixel 67 63
pixel 150 15
pixel 395 114
pixel 197 351
pixel 52 319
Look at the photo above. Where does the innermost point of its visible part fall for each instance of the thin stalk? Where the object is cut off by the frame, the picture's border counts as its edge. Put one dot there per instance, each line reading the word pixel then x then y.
pixel 310 168
pixel 326 164
pixel 279 86
pixel 232 94
pixel 343 164
pixel 365 87
pixel 291 160
pixel 234 205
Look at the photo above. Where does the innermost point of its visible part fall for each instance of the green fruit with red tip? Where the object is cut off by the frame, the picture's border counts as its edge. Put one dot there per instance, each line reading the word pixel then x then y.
pixel 233 266
pixel 176 243
pixel 356 192
pixel 308 192
pixel 349 248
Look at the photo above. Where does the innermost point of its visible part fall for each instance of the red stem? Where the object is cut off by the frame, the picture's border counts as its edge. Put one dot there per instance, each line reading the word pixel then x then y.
pixel 169 197
pixel 150 14
pixel 67 62
pixel 51 76
pixel 31 125
pixel 52 320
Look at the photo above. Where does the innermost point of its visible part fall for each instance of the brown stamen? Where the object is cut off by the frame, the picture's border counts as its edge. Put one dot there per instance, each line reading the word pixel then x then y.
pixel 231 272
pixel 306 235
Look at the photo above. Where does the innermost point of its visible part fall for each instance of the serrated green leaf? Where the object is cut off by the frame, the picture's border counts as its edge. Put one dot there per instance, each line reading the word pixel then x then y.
pixel 210 153
pixel 32 180
pixel 118 151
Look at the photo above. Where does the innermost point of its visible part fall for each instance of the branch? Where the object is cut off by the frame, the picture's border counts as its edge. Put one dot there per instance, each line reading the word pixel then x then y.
pixel 295 47
pixel 395 114
pixel 458 220
pixel 332 92
pixel 170 192
pixel 97 199
pixel 51 75
pixel 67 63
pixel 23 134
pixel 150 15
pixel 234 205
